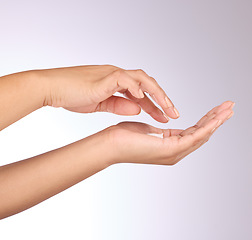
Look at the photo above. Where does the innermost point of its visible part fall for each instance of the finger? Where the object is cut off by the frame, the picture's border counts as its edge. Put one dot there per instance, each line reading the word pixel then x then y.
pixel 221 117
pixel 224 115
pixel 172 132
pixel 169 133
pixel 140 127
pixel 189 130
pixel 212 113
pixel 190 150
pixel 149 107
pixel 201 142
pixel 180 144
pixel 148 129
pixel 117 81
pixel 219 112
pixel 228 115
pixel 202 132
pixel 192 133
pixel 194 137
pixel 118 105
pixel 150 85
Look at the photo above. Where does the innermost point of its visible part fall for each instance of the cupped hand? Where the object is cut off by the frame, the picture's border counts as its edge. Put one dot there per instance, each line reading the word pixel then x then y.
pixel 133 143
pixel 91 88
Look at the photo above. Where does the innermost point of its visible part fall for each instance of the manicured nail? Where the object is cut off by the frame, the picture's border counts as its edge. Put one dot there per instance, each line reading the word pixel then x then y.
pixel 230 115
pixel 141 94
pixel 168 103
pixel 166 117
pixel 176 112
pixel 219 123
pixel 213 130
pixel 154 98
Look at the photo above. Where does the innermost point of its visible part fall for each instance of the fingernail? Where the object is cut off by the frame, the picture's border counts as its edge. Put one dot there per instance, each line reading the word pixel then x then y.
pixel 166 117
pixel 176 112
pixel 213 130
pixel 168 103
pixel 141 94
pixel 233 105
pixel 230 115
pixel 154 98
pixel 219 123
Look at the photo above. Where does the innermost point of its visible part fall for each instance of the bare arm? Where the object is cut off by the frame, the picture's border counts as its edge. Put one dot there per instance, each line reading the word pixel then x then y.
pixel 28 182
pixel 20 94
pixel 83 89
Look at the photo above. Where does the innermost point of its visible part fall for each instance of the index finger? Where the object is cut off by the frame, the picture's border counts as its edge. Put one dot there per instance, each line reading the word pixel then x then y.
pixel 149 84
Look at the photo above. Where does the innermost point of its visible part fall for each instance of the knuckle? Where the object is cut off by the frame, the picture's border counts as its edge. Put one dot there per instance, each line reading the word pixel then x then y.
pixel 117 73
pixel 140 71
pixel 111 66
pixel 98 108
pixel 209 131
pixel 206 140
pixel 178 158
pixel 174 162
pixel 153 79
pixel 196 142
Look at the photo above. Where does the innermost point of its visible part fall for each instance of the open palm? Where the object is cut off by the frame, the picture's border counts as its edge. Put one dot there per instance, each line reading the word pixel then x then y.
pixel 133 142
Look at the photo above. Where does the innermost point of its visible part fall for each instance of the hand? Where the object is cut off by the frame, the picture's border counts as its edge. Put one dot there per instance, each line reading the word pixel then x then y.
pixel 90 88
pixel 131 142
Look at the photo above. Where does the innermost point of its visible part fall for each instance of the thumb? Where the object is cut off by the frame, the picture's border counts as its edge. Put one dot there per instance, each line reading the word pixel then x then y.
pixel 118 105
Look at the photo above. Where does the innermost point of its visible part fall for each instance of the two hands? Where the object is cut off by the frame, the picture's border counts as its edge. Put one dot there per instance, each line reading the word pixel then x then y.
pixel 90 88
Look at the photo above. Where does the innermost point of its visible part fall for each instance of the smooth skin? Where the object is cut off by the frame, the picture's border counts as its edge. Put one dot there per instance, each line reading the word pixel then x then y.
pixel 86 89
pixel 83 89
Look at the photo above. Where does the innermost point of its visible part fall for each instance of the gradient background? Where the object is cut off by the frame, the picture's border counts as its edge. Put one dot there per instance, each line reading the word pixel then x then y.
pixel 200 52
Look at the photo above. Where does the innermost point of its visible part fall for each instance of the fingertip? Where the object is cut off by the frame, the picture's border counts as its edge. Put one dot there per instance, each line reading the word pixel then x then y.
pixel 172 112
pixel 166 118
pixel 176 112
pixel 228 104
pixel 230 115
pixel 132 110
pixel 139 111
pixel 141 94
pixel 168 102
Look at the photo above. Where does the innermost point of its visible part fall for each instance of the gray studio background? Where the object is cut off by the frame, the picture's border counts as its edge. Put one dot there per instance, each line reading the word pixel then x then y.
pixel 200 53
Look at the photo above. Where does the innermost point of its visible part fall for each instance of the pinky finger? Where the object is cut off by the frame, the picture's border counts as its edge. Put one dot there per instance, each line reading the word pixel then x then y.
pixel 197 144
pixel 190 140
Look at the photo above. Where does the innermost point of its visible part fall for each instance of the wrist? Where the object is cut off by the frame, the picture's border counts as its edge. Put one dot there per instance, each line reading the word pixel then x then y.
pixel 40 82
pixel 107 149
pixel 112 145
pixel 101 144
pixel 40 87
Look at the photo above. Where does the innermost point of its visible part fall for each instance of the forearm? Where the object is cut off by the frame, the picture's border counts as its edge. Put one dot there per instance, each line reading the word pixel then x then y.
pixel 20 94
pixel 28 182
